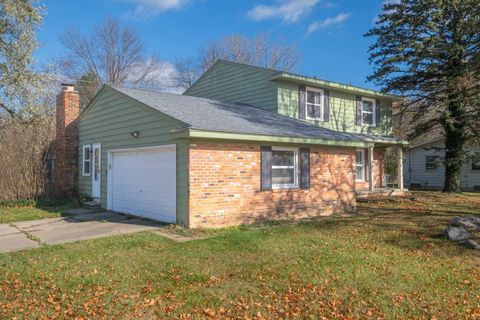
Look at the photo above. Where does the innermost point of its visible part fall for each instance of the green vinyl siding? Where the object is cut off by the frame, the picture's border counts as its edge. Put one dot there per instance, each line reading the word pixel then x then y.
pixel 237 83
pixel 110 120
pixel 266 89
pixel 342 110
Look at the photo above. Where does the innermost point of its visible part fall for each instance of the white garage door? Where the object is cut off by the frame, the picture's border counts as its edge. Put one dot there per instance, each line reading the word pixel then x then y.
pixel 143 182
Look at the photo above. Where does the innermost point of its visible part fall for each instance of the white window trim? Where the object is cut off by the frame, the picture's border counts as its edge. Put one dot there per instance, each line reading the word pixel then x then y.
pixel 374 112
pixel 84 174
pixel 295 168
pixel 322 98
pixel 363 165
pixel 99 147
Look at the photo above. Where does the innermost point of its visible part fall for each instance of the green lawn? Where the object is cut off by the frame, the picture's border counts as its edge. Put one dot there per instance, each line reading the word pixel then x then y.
pixel 389 261
pixel 11 212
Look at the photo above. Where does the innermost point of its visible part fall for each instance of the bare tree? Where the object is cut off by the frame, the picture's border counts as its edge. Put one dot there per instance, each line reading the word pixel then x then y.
pixel 187 71
pixel 261 50
pixel 25 158
pixel 115 54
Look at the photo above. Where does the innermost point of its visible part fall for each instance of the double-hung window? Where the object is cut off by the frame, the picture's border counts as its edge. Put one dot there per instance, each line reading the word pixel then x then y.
pixel 284 167
pixel 368 112
pixel 314 104
pixel 360 164
pixel 87 160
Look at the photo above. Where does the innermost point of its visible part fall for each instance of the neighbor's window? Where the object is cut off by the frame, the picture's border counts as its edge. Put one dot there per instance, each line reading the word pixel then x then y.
pixel 368 112
pixel 87 160
pixel 476 163
pixel 284 167
pixel 314 102
pixel 431 162
pixel 360 164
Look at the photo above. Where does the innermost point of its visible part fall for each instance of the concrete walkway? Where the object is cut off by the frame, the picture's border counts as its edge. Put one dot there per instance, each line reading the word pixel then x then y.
pixel 31 234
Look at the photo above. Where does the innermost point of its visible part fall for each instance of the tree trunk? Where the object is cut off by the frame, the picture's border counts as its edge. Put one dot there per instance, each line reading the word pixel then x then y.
pixel 453 169
pixel 454 145
pixel 455 118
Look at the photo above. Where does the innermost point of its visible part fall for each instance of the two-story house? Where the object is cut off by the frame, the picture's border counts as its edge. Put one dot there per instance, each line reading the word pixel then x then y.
pixel 242 144
pixel 330 105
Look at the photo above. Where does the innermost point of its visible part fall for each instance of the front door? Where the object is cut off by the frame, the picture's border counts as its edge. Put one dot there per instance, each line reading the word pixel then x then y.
pixel 96 170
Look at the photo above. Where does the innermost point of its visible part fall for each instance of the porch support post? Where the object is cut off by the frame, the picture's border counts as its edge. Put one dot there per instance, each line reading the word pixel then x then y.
pixel 370 169
pixel 400 167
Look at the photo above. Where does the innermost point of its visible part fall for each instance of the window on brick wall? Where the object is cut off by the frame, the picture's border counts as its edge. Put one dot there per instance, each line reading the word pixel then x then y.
pixel 360 164
pixel 87 160
pixel 284 167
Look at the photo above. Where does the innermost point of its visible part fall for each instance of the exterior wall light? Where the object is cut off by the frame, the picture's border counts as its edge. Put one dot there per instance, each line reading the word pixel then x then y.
pixel 135 134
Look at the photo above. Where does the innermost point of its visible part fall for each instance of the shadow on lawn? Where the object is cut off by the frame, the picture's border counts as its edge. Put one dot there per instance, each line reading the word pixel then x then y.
pixel 58 206
pixel 418 231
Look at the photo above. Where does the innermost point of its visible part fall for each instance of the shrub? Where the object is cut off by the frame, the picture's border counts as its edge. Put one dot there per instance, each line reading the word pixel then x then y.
pixel 25 149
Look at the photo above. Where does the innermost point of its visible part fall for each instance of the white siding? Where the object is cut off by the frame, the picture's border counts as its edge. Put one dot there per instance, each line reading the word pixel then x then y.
pixel 415 172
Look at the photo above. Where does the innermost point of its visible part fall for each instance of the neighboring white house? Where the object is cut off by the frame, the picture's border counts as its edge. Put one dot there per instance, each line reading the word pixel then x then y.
pixel 423 167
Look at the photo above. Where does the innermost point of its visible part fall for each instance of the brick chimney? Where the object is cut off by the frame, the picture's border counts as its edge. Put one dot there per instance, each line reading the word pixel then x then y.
pixel 66 144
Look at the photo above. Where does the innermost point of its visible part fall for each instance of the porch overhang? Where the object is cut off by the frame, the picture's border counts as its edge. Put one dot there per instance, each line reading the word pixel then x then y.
pixel 381 141
pixel 191 133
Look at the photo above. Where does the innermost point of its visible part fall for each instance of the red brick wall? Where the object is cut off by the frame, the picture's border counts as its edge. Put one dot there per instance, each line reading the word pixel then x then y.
pixel 225 186
pixel 66 144
pixel 378 169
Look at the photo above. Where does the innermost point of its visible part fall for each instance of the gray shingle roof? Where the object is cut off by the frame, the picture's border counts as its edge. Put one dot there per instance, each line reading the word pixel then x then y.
pixel 212 115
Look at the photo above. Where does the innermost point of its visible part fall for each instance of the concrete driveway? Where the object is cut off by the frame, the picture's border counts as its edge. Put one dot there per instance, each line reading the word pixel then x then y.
pixel 31 234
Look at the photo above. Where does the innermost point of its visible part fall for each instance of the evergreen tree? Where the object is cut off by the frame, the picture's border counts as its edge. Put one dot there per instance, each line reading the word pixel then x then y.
pixel 87 85
pixel 429 51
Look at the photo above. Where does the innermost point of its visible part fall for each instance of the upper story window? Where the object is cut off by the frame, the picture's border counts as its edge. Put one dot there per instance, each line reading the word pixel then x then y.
pixel 314 104
pixel 368 112
pixel 284 167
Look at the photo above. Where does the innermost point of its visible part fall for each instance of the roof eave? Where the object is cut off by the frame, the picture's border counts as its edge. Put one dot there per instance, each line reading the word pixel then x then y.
pixel 427 142
pixel 92 101
pixel 334 85
pixel 402 143
pixel 218 135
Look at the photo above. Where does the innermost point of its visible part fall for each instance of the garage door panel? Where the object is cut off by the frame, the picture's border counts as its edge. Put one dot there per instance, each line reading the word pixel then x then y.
pixel 147 182
pixel 150 198
pixel 135 206
pixel 145 210
pixel 149 194
pixel 132 173
pixel 144 183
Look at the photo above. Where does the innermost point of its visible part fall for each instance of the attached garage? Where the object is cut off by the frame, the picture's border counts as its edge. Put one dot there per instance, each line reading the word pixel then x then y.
pixel 142 182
